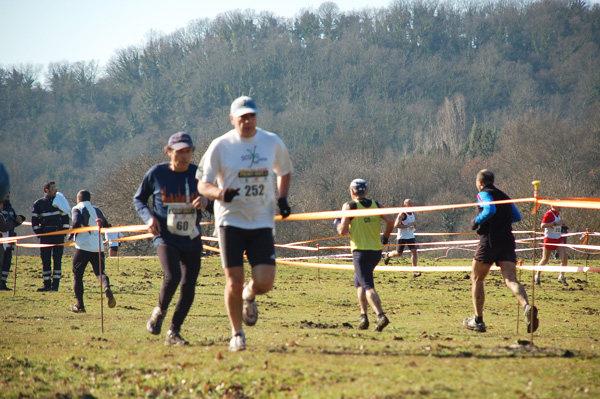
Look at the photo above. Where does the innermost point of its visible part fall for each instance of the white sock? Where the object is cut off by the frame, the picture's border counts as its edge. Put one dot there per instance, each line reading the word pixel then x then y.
pixel 246 295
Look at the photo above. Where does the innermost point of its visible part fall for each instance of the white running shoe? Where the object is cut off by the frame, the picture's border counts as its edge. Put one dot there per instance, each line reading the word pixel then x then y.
pixel 156 319
pixel 238 342
pixel 531 318
pixel 471 324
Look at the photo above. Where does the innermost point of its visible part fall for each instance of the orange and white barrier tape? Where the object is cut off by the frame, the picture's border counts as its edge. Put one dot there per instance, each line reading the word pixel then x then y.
pixel 587 203
pixel 391 211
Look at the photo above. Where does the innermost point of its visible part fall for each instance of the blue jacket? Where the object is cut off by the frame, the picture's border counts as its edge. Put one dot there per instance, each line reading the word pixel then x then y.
pixel 496 220
pixel 166 186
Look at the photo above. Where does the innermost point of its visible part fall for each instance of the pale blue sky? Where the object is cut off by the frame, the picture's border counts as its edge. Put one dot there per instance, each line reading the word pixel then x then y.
pixel 44 31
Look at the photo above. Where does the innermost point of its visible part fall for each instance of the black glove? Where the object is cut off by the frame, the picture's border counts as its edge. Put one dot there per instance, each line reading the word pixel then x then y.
pixel 284 208
pixel 228 194
pixel 17 223
pixel 385 240
pixel 336 222
pixel 474 225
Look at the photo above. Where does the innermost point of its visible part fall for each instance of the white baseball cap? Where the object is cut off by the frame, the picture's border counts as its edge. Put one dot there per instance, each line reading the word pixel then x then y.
pixel 243 105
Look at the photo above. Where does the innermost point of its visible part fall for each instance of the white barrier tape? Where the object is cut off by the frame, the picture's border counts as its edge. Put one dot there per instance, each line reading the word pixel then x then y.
pixel 578 246
pixel 561 269
pixel 288 246
pixel 381 268
pixel 438 269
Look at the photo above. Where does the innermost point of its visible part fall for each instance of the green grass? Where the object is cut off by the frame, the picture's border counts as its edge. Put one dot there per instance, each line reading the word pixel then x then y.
pixel 305 344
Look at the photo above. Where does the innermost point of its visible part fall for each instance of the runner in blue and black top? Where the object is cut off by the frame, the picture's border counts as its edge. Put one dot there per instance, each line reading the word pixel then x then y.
pixel 496 245
pixel 174 221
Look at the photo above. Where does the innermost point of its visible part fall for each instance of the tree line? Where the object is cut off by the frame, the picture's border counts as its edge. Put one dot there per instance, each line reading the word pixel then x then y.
pixel 414 97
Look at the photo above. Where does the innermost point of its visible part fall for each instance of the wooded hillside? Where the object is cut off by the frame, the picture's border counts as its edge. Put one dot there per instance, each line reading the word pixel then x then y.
pixel 415 98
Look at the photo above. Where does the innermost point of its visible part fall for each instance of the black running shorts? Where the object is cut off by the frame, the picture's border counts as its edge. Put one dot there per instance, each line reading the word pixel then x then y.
pixel 257 244
pixel 488 255
pixel 401 242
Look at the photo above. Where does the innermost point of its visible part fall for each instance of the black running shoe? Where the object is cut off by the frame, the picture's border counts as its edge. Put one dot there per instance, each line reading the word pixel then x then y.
pixel 75 308
pixel 382 322
pixel 175 339
pixel 363 323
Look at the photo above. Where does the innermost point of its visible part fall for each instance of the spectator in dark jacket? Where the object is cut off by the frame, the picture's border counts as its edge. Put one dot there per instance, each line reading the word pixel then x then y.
pixel 10 217
pixel 46 217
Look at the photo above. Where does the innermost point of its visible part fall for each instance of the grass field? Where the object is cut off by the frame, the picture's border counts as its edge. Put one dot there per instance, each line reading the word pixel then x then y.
pixel 305 344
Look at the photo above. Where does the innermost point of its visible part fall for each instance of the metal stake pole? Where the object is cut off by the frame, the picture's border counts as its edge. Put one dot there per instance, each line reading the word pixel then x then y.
pixel 16 264
pixel 536 184
pixel 100 247
pixel 318 261
pixel 518 304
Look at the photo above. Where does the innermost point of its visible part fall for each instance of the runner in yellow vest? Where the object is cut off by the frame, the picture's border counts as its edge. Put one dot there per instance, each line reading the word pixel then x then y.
pixel 366 245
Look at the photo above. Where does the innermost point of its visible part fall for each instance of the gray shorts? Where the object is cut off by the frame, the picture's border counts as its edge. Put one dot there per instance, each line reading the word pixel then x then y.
pixel 257 244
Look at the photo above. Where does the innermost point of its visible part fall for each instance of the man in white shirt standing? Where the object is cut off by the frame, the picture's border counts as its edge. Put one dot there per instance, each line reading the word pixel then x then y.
pixel 237 171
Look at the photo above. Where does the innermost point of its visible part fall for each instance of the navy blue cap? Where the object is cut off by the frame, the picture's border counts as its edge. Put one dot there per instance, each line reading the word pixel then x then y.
pixel 180 140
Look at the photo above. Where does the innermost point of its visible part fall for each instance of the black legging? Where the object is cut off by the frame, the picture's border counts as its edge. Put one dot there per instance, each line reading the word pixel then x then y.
pixel 178 266
pixel 80 260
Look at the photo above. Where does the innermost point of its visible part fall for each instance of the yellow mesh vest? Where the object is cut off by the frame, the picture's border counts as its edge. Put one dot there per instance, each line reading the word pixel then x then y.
pixel 364 231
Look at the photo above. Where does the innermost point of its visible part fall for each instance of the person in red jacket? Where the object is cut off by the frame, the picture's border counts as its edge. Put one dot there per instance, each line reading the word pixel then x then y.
pixel 552 224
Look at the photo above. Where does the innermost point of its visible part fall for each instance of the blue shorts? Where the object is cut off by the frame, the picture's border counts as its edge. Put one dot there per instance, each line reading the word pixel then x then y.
pixel 257 244
pixel 364 264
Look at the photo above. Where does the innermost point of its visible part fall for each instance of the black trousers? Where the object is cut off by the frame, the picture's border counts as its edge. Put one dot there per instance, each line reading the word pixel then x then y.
pixel 6 255
pixel 181 268
pixel 49 254
pixel 80 261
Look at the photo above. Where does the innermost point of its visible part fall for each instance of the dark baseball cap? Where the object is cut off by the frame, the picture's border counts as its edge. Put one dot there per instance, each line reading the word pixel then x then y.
pixel 180 140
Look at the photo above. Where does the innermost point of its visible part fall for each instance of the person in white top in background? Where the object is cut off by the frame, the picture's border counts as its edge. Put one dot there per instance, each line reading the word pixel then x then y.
pixel 405 223
pixel 113 246
pixel 237 171
pixel 87 247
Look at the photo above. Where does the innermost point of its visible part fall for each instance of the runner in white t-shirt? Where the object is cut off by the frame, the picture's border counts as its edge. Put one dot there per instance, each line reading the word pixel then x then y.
pixel 237 171
pixel 405 222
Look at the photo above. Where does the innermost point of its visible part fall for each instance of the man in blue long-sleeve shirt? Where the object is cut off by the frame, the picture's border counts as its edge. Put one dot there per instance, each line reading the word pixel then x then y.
pixel 496 245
